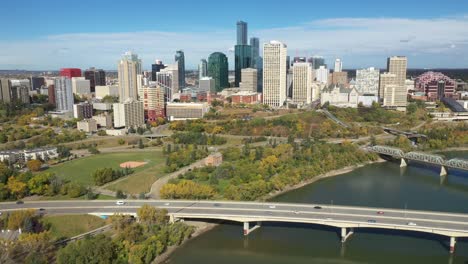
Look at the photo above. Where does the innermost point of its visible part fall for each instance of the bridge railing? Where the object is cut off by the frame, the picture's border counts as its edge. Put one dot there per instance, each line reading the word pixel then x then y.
pixel 429 158
pixel 457 163
pixel 395 152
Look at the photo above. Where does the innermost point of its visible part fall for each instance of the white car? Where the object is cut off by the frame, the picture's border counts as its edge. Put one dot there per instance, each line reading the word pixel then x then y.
pixel 166 204
pixel 120 202
pixel 272 206
pixel 412 224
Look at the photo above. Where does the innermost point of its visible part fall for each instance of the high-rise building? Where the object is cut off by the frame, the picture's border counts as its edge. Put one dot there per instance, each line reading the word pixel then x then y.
pixel 51 93
pixel 202 69
pixel 70 72
pixel 153 102
pixel 299 59
pixel 249 80
pixel 83 110
pixel 302 83
pixel 288 63
pixel 255 44
pixel 435 85
pixel 218 70
pixel 243 59
pixel 367 81
pixel 155 68
pixel 168 78
pixel 128 69
pixel 392 90
pixel 129 114
pixel 386 79
pixel 316 62
pixel 19 91
pixel 180 60
pixel 96 77
pixel 5 96
pixel 274 73
pixel 80 85
pixel 321 74
pixel 241 33
pixel 37 83
pixel 398 65
pixel 63 94
pixel 338 65
pixel 206 84
pixel 339 78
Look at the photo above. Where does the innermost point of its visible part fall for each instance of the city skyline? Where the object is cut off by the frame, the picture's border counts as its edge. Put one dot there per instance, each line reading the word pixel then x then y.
pixel 361 37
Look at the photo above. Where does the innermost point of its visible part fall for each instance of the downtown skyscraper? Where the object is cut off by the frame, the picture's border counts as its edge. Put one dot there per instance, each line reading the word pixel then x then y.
pixel 202 69
pixel 180 60
pixel 274 73
pixel 218 70
pixel 128 69
pixel 242 52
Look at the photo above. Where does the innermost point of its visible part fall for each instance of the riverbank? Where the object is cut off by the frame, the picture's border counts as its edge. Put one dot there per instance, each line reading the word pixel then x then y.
pixel 202 227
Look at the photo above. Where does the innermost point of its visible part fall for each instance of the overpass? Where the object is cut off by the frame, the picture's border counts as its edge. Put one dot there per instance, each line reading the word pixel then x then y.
pixel 345 218
pixel 433 159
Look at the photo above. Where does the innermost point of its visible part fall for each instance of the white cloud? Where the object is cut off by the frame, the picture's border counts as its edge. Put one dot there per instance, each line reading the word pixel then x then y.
pixel 439 42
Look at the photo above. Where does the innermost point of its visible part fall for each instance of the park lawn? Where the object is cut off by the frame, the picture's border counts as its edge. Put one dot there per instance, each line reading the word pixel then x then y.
pixel 80 170
pixel 141 181
pixel 66 226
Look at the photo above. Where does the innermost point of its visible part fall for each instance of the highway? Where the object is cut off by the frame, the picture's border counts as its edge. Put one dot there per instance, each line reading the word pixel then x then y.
pixel 340 216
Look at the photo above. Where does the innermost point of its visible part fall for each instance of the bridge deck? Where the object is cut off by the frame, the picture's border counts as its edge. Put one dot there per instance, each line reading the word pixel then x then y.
pixel 448 224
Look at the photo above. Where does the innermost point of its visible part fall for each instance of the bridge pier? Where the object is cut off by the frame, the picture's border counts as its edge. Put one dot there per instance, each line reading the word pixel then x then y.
pixel 443 171
pixel 248 230
pixel 345 235
pixel 453 241
pixel 403 163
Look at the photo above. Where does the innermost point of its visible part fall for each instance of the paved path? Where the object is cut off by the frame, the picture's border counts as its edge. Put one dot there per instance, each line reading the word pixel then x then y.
pixel 158 184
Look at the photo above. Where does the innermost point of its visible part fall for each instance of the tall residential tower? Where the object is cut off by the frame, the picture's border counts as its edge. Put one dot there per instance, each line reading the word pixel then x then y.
pixel 274 73
pixel 128 69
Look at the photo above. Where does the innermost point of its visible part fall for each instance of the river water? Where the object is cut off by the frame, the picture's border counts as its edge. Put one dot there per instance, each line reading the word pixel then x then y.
pixel 376 185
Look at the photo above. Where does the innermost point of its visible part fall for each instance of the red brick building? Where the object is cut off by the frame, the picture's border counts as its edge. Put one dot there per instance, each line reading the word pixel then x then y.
pixel 70 72
pixel 246 98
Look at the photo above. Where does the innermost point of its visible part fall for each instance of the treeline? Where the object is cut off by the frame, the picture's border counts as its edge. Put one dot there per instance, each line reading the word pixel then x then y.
pixel 45 138
pixel 130 241
pixel 181 156
pixel 300 125
pixel 105 175
pixel 134 242
pixel 252 172
pixel 197 138
pixel 15 185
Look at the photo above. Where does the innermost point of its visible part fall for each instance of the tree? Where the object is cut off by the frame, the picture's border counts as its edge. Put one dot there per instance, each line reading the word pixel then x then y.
pixel 152 216
pixel 140 144
pixel 98 249
pixel 40 184
pixel 17 219
pixel 120 195
pixel 34 165
pixel 16 187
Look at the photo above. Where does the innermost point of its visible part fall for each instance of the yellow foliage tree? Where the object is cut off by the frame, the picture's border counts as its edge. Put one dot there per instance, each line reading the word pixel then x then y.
pixel 16 187
pixel 34 165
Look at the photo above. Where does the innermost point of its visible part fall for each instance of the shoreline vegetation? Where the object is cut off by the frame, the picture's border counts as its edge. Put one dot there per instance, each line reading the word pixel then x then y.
pixel 202 228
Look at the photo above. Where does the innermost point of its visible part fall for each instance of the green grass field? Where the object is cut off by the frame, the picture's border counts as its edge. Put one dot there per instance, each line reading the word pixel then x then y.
pixel 81 170
pixel 62 226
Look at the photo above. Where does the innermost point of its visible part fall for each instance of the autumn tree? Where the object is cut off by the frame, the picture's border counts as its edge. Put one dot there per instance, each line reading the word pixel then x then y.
pixel 151 215
pixel 16 187
pixel 34 165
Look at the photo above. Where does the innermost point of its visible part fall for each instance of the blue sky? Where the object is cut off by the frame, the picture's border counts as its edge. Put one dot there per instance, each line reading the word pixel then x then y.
pixel 50 34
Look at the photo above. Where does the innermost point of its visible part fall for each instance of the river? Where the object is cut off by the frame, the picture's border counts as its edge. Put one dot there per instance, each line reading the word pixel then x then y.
pixel 376 185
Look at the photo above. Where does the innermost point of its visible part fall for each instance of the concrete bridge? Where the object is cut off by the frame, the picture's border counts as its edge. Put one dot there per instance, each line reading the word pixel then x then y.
pixel 346 219
pixel 432 159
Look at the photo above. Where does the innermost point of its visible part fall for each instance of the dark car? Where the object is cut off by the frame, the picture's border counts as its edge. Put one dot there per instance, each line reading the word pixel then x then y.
pixel 317 207
pixel 217 204
pixel 372 221
pixel 19 202
pixel 41 209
